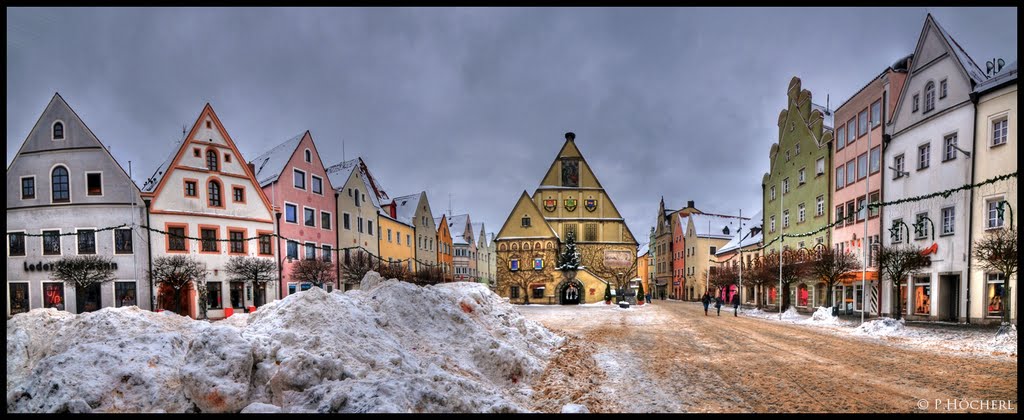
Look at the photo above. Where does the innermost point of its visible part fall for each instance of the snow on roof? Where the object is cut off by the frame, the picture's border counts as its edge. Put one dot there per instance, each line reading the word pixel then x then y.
pixel 743 238
pixel 269 165
pixel 457 226
pixel 437 221
pixel 1008 74
pixel 708 225
pixel 827 114
pixel 405 207
pixel 339 173
pixel 965 60
pixel 643 250
pixel 150 184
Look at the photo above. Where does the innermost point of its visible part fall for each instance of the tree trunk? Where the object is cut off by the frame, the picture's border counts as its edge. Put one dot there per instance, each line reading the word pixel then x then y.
pixel 785 296
pixel 828 295
pixel 898 301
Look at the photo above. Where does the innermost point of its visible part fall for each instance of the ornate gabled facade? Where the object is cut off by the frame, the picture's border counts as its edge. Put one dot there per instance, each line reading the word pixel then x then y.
pixel 570 199
pixel 65 185
pixel 206 190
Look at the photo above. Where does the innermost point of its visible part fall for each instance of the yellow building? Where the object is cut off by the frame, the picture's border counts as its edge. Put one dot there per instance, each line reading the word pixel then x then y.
pixel 569 199
pixel 395 240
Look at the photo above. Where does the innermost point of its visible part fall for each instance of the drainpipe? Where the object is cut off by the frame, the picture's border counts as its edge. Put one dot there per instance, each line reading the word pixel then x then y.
pixel 970 212
pixel 280 275
pixel 149 246
pixel 337 246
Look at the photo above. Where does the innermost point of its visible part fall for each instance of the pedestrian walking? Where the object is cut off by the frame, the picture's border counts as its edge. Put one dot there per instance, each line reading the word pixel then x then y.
pixel 706 300
pixel 718 304
pixel 736 304
pixel 648 297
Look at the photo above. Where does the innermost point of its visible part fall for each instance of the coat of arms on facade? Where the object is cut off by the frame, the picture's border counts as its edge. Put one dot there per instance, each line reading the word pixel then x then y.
pixel 590 204
pixel 570 204
pixel 550 204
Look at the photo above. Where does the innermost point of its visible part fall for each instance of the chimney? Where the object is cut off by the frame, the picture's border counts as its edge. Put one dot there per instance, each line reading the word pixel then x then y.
pixel 570 136
pixel 689 204
pixel 252 168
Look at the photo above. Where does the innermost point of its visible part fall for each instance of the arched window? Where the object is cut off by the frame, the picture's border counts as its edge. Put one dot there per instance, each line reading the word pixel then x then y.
pixel 214 194
pixel 59 184
pixel 211 160
pixel 58 130
pixel 929 96
pixel 309 156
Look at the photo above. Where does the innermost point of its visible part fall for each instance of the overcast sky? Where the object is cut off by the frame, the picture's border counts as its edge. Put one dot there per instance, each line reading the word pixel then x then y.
pixel 680 103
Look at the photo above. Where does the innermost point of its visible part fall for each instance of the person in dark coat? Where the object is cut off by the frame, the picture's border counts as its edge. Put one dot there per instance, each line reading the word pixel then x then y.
pixel 718 304
pixel 706 300
pixel 736 304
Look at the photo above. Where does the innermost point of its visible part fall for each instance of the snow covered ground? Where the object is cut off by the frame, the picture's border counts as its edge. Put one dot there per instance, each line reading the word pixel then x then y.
pixel 389 347
pixel 922 336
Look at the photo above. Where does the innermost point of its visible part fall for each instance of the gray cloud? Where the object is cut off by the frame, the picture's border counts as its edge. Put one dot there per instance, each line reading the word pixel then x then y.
pixel 679 103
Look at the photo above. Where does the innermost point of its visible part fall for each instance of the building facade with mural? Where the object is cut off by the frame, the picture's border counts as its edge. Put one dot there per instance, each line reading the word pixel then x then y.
pixel 569 201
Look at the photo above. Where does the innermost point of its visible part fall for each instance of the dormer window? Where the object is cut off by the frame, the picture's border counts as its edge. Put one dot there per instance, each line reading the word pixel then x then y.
pixel 211 160
pixel 58 130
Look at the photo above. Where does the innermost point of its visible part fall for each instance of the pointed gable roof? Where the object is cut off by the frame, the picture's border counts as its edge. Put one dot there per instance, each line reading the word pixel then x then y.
pixel 552 177
pixel 406 206
pixel 270 164
pixel 709 225
pixel 966 63
pixel 750 234
pixel 459 227
pixel 339 174
pixel 539 228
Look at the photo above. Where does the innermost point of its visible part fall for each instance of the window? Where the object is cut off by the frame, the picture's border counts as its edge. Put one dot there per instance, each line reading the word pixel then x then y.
pixel 526 222
pixel 840 215
pixel 124 294
pixel 264 243
pixel 308 156
pixel 213 194
pixel 772 193
pixel 538 263
pixel 948 220
pixel 513 292
pixel 389 235
pixel 922 295
pixel 310 251
pixel 87 241
pixel 325 252
pixel 237 241
pixel 60 188
pixel 190 188
pixel 209 243
pixel 16 244
pixel 922 233
pixel 851 210
pixel 875 159
pixel 876 113
pixel 28 188
pixel 897 165
pixel 862 166
pixel 590 232
pixel 819 167
pixel 898 237
pixel 299 179
pixel 851 172
pixel 820 204
pixel 950 145
pixel 942 89
pixel 369 228
pixel 996 294
pixel 291 213
pixel 862 122
pixel 994 218
pixel 51 242
pixel 570 227
pixel 196 152
pixel 325 220
pixel 861 208
pixel 237 291
pixel 796 149
pixel 917 100
pixel 840 138
pixel 538 292
pixel 238 194
pixel 874 198
pixel 356 198
pixel 787 156
pixel 58 130
pixel 772 225
pixel 851 131
pixel 292 251
pixel 801 213
pixel 346 222
pixel 318 184
pixel 803 176
pixel 840 177
pixel 929 96
pixel 785 219
pixel 53 295
pixel 176 239
pixel 999 128
pixel 309 217
pixel 213 296
pixel 408 240
pixel 211 160
pixel 227 158
pixel 923 156
pixel 513 264
pixel 359 225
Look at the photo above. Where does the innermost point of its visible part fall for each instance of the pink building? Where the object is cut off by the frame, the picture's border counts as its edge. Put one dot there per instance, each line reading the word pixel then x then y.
pixel 294 179
pixel 860 124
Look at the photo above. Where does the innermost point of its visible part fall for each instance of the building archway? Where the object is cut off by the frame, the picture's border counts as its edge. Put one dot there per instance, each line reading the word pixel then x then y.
pixel 570 292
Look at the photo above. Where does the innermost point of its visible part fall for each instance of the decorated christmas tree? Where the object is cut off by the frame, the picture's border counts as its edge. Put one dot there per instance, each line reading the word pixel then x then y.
pixel 570 258
pixel 607 292
pixel 640 293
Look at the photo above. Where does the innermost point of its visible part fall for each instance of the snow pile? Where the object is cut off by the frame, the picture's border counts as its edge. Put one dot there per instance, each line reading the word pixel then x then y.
pixel 1006 342
pixel 389 347
pixel 883 327
pixel 792 315
pixel 574 408
pixel 822 316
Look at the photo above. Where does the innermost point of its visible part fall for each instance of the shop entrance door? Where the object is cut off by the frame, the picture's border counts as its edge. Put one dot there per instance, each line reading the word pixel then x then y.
pixel 949 305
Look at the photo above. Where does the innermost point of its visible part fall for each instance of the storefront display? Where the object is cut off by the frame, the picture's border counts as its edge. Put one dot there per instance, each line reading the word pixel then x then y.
pixel 995 294
pixel 922 296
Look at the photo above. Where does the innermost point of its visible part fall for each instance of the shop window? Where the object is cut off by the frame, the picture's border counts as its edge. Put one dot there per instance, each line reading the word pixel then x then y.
pixel 996 293
pixel 922 296
pixel 802 296
pixel 903 299
pixel 16 244
pixel 124 294
pixel 858 297
pixel 18 297
pixel 237 295
pixel 94 183
pixel 53 295
pixel 213 296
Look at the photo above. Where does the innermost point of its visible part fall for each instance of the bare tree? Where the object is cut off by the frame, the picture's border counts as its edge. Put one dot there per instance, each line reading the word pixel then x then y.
pixel 258 272
pixel 830 264
pixel 522 277
pixel 84 271
pixel 760 275
pixel 428 275
pixel 593 260
pixel 722 277
pixel 997 251
pixel 355 266
pixel 898 262
pixel 317 271
pixel 794 268
pixel 395 270
pixel 179 272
